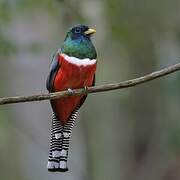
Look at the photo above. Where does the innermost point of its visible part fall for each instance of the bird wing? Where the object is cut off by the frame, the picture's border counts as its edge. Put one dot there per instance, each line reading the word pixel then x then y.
pixel 54 67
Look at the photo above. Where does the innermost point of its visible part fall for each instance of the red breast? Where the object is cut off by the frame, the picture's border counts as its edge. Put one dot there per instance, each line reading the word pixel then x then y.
pixel 72 76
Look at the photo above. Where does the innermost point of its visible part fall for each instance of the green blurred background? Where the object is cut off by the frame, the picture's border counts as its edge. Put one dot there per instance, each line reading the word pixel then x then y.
pixel 130 134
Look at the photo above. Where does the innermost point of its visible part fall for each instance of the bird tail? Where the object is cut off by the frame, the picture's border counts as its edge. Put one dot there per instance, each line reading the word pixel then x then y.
pixel 55 144
pixel 67 130
pixel 59 143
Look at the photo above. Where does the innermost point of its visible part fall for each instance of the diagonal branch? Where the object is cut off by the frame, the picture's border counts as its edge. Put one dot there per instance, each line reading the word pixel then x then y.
pixel 100 88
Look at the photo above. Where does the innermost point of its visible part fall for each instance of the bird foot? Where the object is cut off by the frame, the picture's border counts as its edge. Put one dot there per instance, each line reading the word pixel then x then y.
pixel 70 91
pixel 85 88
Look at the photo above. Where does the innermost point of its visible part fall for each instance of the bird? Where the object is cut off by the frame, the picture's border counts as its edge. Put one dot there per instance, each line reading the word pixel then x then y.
pixel 73 66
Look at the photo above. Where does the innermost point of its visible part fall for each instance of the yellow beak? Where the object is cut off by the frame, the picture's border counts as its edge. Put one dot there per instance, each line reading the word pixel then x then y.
pixel 90 31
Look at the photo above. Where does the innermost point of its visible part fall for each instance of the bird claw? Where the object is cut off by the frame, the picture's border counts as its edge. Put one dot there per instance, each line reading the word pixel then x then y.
pixel 70 91
pixel 85 88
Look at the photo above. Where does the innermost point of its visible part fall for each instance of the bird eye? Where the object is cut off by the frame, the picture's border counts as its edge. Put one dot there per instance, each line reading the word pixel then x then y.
pixel 77 30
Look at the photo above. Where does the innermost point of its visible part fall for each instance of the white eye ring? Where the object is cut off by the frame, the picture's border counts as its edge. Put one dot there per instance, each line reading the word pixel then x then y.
pixel 77 30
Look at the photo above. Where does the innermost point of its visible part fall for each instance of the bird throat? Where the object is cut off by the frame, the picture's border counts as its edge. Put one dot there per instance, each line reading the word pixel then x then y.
pixel 79 48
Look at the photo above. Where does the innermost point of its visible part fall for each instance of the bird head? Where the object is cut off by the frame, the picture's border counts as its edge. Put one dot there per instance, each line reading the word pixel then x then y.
pixel 78 42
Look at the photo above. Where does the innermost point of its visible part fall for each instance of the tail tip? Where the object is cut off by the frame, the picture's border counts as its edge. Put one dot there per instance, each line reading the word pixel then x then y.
pixel 53 166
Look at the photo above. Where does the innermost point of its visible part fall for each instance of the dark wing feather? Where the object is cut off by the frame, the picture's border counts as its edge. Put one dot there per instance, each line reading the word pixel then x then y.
pixel 93 84
pixel 53 71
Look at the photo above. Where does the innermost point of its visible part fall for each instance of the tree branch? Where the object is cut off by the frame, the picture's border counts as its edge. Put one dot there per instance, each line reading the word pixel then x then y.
pixel 100 88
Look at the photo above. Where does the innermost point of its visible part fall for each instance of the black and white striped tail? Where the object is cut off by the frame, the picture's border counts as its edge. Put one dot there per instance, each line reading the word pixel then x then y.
pixel 67 129
pixel 55 144
pixel 59 143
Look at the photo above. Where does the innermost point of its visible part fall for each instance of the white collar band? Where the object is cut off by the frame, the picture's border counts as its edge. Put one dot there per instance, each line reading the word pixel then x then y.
pixel 79 62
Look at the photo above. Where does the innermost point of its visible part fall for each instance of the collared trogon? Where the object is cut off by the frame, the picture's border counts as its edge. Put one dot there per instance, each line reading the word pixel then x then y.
pixel 73 66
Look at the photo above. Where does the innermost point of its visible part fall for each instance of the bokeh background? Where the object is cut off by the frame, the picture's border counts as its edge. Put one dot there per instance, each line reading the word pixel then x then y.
pixel 129 134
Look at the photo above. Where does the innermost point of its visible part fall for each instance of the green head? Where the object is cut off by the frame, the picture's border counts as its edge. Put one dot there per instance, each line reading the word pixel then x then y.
pixel 78 43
